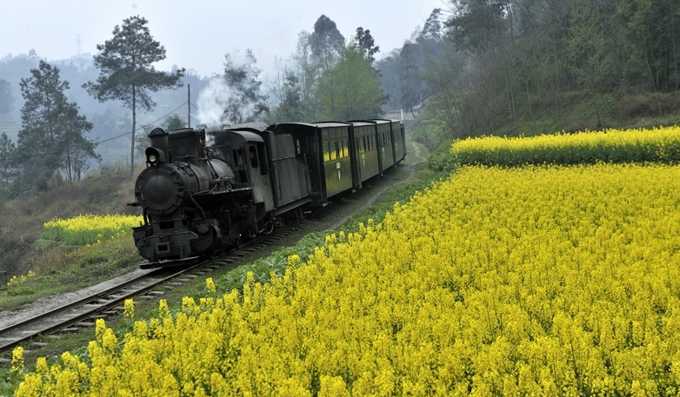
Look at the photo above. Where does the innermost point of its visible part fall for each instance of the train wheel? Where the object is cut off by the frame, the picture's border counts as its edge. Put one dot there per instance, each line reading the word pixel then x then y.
pixel 268 228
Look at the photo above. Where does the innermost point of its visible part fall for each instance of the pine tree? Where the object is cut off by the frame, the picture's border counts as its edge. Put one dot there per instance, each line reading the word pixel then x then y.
pixel 52 131
pixel 7 151
pixel 127 71
pixel 365 43
pixel 326 40
pixel 5 97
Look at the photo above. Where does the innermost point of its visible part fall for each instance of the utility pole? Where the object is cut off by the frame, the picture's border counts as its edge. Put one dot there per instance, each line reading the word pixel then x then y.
pixel 188 105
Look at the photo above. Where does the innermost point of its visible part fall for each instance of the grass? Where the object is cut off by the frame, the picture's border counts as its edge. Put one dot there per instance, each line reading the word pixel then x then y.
pixel 22 219
pixel 62 270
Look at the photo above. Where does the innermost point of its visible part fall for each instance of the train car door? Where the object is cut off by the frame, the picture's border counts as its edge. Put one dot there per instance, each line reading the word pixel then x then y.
pixel 259 175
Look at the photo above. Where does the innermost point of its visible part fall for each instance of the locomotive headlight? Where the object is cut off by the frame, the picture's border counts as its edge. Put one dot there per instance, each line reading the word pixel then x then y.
pixel 154 156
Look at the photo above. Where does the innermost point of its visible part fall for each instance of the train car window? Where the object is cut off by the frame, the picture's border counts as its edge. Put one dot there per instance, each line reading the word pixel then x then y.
pixel 253 156
pixel 297 146
pixel 326 152
pixel 262 157
pixel 238 157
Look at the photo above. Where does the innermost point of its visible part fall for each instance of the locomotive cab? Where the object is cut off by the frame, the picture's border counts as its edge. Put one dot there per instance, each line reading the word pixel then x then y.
pixel 245 151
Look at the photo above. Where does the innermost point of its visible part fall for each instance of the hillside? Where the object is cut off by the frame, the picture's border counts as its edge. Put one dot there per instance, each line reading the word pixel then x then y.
pixel 21 219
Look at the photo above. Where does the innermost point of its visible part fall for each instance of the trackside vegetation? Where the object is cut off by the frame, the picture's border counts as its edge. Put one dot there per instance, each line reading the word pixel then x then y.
pixel 539 279
pixel 89 229
pixel 657 145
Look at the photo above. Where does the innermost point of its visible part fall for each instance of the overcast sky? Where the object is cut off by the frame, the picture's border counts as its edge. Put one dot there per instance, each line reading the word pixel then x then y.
pixel 196 34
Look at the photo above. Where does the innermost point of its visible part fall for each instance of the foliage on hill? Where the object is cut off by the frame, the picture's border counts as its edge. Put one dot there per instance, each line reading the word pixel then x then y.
pixel 536 66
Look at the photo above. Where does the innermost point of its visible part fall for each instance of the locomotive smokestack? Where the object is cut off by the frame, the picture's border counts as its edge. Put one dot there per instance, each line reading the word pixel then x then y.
pixel 159 140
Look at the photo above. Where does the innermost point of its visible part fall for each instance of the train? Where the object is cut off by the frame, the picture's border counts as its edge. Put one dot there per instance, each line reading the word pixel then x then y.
pixel 204 191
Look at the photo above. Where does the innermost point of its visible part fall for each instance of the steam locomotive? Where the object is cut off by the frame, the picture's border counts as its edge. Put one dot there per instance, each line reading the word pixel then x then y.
pixel 204 190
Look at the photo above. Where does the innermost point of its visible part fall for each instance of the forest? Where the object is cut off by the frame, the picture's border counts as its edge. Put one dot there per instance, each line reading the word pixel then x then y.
pixel 527 67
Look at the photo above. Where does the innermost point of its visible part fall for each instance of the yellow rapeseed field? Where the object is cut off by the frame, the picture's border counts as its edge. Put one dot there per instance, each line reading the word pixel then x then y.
pixel 90 229
pixel 588 147
pixel 524 281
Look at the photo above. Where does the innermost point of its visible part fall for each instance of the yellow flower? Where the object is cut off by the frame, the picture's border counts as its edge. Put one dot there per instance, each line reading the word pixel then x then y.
pixel 163 310
pixel 129 311
pixel 18 358
pixel 536 280
pixel 210 285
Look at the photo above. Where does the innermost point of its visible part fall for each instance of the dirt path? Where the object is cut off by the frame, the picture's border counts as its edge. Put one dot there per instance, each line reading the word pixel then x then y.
pixel 411 169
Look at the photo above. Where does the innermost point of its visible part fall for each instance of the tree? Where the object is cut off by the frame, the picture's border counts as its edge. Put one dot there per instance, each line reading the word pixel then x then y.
pixel 306 74
pixel 174 122
pixel 290 105
pixel 294 85
pixel 171 123
pixel 246 102
pixel 432 30
pixel 410 96
pixel 365 43
pixel 52 131
pixel 478 25
pixel 7 151
pixel 326 40
pixel 652 29
pixel 351 90
pixel 5 96
pixel 127 71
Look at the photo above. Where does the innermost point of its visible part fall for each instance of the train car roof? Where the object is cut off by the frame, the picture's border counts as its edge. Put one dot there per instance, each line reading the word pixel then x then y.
pixel 362 122
pixel 331 123
pixel 372 121
pixel 316 124
pixel 223 135
pixel 248 136
pixel 293 124
pixel 388 120
pixel 253 127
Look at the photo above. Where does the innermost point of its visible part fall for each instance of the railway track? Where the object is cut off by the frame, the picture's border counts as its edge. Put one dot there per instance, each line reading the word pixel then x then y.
pixel 81 314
